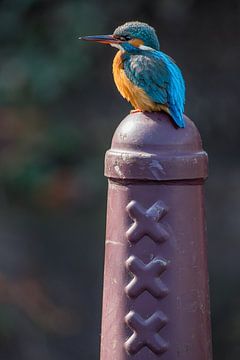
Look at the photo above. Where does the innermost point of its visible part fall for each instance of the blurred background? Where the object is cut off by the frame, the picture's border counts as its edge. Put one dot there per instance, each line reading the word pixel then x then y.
pixel 59 109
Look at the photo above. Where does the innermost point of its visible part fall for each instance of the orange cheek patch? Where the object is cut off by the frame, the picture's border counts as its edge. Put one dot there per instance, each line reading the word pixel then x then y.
pixel 136 42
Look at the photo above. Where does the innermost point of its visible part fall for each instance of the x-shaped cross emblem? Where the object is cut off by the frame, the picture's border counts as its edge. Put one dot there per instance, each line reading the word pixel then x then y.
pixel 146 277
pixel 145 333
pixel 146 222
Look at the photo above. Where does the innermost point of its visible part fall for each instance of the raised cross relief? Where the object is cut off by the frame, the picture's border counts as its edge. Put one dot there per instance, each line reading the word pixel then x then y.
pixel 145 333
pixel 146 277
pixel 146 221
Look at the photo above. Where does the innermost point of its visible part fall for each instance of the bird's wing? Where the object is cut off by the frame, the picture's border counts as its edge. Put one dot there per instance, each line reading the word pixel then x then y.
pixel 160 78
pixel 150 74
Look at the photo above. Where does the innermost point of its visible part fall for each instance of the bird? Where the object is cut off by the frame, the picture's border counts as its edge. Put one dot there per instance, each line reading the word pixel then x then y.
pixel 144 75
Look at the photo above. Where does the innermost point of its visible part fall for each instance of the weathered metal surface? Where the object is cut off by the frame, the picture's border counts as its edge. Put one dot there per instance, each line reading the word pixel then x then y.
pixel 155 302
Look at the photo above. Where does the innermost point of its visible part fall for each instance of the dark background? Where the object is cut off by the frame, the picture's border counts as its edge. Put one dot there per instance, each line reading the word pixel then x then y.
pixel 59 108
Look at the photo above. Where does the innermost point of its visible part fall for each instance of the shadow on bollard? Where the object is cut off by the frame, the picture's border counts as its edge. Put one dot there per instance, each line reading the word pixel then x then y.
pixel 156 299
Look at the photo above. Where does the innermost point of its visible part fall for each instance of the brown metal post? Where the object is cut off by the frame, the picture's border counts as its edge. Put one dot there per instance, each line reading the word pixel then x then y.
pixel 156 299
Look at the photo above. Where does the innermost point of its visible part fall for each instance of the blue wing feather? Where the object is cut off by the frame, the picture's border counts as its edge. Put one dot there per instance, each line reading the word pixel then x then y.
pixel 160 78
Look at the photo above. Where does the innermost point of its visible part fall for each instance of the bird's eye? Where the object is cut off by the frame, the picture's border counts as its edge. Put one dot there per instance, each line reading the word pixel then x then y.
pixel 124 37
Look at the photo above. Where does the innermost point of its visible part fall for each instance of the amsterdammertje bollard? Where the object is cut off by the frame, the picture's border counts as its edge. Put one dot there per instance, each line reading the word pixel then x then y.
pixel 156 297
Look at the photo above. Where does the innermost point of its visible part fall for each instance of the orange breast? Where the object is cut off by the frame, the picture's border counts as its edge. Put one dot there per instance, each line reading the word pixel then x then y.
pixel 132 93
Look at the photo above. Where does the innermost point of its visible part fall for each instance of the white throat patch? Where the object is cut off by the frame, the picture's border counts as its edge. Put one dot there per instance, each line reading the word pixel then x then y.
pixel 118 46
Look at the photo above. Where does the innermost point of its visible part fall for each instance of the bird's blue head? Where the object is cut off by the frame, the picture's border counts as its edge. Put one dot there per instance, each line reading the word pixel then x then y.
pixel 137 33
pixel 131 35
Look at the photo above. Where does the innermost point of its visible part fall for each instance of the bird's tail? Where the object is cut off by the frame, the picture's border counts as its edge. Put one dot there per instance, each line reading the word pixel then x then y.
pixel 178 118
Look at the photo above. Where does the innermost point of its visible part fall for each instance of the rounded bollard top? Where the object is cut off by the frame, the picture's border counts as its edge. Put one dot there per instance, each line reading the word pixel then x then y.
pixel 148 146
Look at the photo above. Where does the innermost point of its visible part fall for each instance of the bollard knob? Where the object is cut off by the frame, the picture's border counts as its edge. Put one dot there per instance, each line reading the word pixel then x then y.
pixel 148 146
pixel 155 298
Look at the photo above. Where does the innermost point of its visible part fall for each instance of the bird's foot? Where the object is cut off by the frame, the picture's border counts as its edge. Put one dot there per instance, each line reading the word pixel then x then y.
pixel 135 111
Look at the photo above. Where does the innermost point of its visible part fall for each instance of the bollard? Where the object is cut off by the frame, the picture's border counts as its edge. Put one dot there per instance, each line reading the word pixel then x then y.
pixel 156 297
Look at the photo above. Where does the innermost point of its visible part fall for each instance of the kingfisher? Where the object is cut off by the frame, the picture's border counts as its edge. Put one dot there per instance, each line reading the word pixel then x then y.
pixel 145 76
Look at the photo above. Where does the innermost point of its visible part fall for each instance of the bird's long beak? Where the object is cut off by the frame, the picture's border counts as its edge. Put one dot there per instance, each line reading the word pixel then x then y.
pixel 103 39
